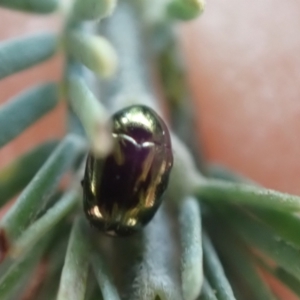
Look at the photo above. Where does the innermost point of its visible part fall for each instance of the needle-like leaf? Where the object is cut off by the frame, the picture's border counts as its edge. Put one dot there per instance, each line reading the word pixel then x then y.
pixel 73 280
pixel 207 293
pixel 22 53
pixel 21 269
pixel 43 225
pixel 283 223
pixel 34 6
pixel 286 225
pixel 38 191
pixel 107 287
pixel 259 236
pixel 25 109
pixel 238 259
pixel 93 9
pixel 186 9
pixel 215 273
pixel 94 117
pixel 15 176
pixel 93 51
pixel 191 245
pixel 221 191
pixel 286 278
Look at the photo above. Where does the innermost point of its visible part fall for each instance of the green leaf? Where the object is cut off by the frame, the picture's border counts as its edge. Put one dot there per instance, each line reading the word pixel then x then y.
pixel 42 226
pixel 73 280
pixel 20 271
pixel 107 287
pixel 218 191
pixel 214 272
pixel 50 287
pixel 207 293
pixel 21 112
pixel 242 264
pixel 94 117
pixel 15 176
pixel 22 53
pixel 285 225
pixel 282 223
pixel 93 51
pixel 93 9
pixel 54 263
pixel 39 190
pixel 261 237
pixel 132 82
pixel 290 281
pixel 186 9
pixel 34 6
pixel 284 277
pixel 191 245
pixel 96 295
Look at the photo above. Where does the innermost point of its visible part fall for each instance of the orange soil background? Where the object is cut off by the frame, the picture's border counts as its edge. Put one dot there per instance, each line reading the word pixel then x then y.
pixel 244 71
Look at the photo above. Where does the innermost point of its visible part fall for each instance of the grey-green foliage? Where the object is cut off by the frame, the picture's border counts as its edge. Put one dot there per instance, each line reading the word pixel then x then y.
pixel 94 51
pixel 20 269
pixel 104 279
pixel 215 272
pixel 241 262
pixel 164 261
pixel 25 109
pixel 191 247
pixel 207 292
pixel 32 199
pixel 21 53
pixel 286 256
pixel 75 270
pixel 45 223
pixel 35 6
pixel 93 9
pixel 15 176
pixel 186 9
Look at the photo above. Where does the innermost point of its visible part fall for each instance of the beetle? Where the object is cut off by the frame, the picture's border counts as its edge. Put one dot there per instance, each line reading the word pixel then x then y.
pixel 122 192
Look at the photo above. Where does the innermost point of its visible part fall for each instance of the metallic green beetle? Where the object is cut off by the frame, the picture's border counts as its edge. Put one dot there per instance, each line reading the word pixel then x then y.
pixel 123 191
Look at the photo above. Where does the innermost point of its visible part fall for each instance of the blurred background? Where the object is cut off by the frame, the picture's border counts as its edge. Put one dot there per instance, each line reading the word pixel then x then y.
pixel 15 24
pixel 244 72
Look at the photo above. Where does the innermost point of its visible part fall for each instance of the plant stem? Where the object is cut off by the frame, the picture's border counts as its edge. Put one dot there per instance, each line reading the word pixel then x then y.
pixel 156 274
pixel 132 83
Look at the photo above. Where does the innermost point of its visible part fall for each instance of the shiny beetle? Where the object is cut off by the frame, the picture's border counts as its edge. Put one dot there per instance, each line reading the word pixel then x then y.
pixel 123 191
